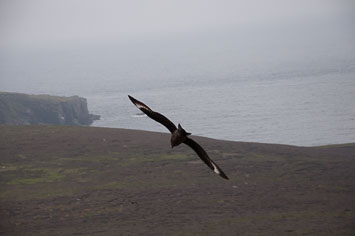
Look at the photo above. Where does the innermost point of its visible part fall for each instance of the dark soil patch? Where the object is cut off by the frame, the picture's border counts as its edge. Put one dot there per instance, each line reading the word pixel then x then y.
pixel 96 181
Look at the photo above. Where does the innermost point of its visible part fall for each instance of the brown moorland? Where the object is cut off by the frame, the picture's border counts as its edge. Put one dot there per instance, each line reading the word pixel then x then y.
pixel 63 180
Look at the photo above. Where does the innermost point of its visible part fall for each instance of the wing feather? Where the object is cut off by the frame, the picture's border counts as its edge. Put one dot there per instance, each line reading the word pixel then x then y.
pixel 154 115
pixel 204 157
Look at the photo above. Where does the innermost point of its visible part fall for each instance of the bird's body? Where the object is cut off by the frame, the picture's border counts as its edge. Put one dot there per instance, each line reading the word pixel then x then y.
pixel 179 135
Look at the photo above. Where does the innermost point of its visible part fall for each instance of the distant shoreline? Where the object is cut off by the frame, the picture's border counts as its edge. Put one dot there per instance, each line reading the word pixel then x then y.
pixel 27 109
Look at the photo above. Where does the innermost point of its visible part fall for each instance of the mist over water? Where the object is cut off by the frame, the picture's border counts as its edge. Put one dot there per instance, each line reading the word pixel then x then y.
pixel 288 87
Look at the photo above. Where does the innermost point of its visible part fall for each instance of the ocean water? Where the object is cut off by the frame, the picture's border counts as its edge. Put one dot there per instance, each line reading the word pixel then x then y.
pixel 220 88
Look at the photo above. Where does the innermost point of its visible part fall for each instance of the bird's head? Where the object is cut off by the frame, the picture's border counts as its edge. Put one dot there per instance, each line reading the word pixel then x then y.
pixel 180 129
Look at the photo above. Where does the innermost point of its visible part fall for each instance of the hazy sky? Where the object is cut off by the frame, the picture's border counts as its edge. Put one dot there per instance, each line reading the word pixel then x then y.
pixel 25 23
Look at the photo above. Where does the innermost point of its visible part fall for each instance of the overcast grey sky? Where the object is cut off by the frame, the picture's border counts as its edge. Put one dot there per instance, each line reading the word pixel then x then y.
pixel 25 23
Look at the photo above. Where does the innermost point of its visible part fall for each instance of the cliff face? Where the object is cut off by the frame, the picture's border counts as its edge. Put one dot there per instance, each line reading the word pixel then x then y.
pixel 16 108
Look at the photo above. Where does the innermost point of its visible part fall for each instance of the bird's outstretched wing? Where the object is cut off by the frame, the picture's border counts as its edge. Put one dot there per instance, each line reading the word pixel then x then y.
pixel 204 157
pixel 154 115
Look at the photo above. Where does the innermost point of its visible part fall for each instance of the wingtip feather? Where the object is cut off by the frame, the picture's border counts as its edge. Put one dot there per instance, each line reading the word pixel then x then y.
pixel 224 176
pixel 131 98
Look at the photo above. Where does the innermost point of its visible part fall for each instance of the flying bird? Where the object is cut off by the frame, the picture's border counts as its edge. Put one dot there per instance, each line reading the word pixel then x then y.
pixel 179 135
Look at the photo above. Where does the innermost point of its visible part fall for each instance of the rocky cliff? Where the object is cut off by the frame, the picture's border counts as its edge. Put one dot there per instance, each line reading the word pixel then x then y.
pixel 17 108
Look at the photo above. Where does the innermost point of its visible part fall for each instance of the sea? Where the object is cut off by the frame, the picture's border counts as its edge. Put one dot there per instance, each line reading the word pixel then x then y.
pixel 286 89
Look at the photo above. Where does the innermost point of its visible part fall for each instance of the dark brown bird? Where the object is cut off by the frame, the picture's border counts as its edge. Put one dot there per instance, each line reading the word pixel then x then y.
pixel 179 135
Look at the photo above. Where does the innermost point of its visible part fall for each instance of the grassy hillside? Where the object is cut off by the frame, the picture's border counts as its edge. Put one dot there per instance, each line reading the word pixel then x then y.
pixel 98 181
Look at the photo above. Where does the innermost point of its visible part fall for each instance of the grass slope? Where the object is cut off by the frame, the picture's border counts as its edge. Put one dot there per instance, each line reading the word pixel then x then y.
pixel 99 181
